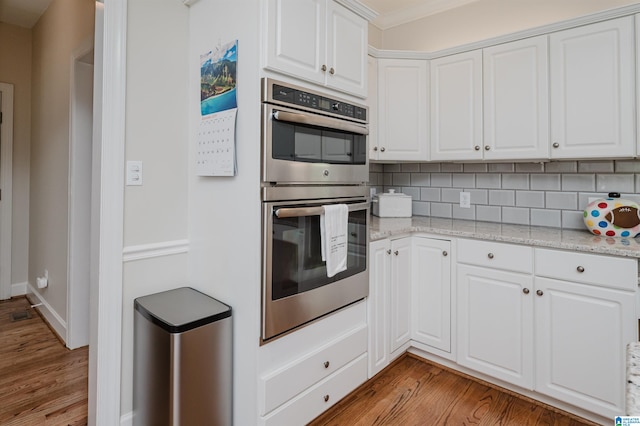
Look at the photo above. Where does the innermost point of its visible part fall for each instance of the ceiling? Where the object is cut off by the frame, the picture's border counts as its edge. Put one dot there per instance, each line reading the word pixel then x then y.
pixel 23 13
pixel 397 12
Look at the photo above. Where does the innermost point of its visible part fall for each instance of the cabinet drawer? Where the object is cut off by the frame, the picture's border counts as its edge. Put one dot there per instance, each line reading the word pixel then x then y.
pixel 283 384
pixel 320 397
pixel 508 257
pixel 614 272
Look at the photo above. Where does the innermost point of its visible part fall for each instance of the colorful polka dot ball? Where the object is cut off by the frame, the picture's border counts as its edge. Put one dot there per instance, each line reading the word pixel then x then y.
pixel 613 217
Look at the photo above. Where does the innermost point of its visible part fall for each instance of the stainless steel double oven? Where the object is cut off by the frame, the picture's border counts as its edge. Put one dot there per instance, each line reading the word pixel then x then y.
pixel 314 153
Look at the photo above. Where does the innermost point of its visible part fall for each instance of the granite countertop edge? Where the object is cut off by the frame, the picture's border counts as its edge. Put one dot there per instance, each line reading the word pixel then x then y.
pixel 537 236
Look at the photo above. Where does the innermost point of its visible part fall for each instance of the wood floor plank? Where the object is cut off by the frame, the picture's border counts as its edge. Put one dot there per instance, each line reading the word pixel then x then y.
pixel 414 392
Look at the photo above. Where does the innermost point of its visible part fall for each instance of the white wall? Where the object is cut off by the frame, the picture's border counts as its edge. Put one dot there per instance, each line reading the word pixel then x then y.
pixel 155 213
pixel 66 25
pixel 15 68
pixel 485 19
pixel 224 212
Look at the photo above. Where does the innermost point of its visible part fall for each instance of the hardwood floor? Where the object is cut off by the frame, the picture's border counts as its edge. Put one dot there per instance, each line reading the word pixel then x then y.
pixel 41 381
pixel 415 392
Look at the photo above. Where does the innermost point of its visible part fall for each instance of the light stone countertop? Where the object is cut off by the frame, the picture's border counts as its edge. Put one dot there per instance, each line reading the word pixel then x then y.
pixel 576 240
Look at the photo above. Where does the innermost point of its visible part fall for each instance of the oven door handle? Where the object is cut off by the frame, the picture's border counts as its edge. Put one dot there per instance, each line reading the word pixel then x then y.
pixel 313 211
pixel 318 120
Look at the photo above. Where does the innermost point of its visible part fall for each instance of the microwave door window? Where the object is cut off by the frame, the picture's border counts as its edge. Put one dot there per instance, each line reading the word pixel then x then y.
pixel 307 144
pixel 337 147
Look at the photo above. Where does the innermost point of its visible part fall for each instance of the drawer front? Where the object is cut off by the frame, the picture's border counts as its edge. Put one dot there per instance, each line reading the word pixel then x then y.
pixel 313 402
pixel 607 271
pixel 508 257
pixel 283 384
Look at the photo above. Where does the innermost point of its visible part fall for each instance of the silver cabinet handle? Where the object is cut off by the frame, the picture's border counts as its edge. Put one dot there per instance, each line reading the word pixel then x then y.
pixel 326 364
pixel 539 292
pixel 580 269
pixel 332 71
pixel 490 255
pixel 444 253
pixel 382 149
pixel 395 252
pixel 477 148
pixel 375 148
pixel 326 398
pixel 388 251
pixel 487 147
pixel 525 290
pixel 323 67
pixel 318 120
pixel 556 145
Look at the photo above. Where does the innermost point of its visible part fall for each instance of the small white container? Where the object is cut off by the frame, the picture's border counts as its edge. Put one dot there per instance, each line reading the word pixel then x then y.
pixel 392 204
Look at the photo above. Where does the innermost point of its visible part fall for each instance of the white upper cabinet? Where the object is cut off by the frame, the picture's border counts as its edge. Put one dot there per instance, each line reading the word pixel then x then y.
pixel 456 107
pixel 593 90
pixel 372 102
pixel 319 41
pixel 516 100
pixel 402 110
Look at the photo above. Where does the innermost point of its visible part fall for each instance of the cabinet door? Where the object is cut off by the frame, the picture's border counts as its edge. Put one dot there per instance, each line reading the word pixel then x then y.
pixel 372 102
pixel 402 102
pixel 592 101
pixel 346 50
pixel 400 300
pixel 377 302
pixel 495 323
pixel 456 107
pixel 516 100
pixel 581 337
pixel 431 293
pixel 296 38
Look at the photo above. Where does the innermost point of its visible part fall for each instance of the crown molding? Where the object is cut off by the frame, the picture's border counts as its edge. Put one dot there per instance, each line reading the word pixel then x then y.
pixel 419 11
pixel 355 6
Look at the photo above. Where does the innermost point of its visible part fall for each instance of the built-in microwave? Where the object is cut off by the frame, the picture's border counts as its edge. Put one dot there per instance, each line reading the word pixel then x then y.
pixel 311 138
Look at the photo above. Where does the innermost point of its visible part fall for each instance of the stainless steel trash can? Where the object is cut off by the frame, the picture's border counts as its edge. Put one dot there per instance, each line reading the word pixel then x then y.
pixel 182 360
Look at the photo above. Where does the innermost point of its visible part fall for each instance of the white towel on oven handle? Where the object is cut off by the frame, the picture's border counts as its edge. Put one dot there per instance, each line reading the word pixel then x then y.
pixel 334 224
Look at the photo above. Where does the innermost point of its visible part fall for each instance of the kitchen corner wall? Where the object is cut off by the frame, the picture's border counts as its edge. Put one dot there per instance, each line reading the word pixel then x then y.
pixel 550 194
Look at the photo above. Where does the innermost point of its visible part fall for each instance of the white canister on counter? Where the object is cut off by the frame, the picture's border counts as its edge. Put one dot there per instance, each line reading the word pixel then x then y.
pixel 392 204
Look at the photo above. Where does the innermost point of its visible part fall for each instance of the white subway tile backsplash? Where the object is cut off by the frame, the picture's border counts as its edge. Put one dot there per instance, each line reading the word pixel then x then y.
pixel 464 213
pixel 583 198
pixel 561 200
pixel 440 210
pixel 489 213
pixel 413 191
pixel 542 217
pixel 615 183
pixel 376 167
pixel 421 208
pixel 502 167
pixel 546 182
pixel 489 180
pixel 430 167
pixel 389 168
pixel 530 167
pixel 627 166
pixel 515 215
pixel 464 180
pixel 478 196
pixel 451 195
pixel 410 167
pixel 441 180
pixel 388 179
pixel 515 181
pixel 430 194
pixel 420 179
pixel 572 219
pixel 576 182
pixel 595 166
pixel 561 167
pixel 530 198
pixel 401 179
pixel 501 197
pixel 475 167
pixel 451 167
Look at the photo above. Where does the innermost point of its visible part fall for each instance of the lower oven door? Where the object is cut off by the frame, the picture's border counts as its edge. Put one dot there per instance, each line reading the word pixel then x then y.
pixel 296 288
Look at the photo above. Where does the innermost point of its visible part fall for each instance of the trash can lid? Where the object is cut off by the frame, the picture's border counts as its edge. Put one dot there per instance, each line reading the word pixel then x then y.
pixel 181 309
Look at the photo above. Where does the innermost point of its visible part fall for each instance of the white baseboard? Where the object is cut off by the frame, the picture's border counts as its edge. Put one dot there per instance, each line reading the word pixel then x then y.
pixel 19 289
pixel 126 419
pixel 59 325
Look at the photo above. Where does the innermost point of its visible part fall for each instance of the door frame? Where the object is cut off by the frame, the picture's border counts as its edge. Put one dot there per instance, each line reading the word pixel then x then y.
pixel 6 183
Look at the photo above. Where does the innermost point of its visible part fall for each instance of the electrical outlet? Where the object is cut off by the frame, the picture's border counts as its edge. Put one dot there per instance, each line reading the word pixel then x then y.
pixel 134 173
pixel 465 200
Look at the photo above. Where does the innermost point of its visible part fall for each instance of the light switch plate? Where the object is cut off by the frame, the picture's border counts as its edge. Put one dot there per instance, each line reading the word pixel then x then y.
pixel 134 173
pixel 465 200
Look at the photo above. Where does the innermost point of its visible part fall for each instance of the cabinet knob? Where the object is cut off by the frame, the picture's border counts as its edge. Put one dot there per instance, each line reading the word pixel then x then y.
pixel 525 290
pixel 389 251
pixel 490 255
pixel 487 147
pixel 323 68
pixel 332 71
pixel 326 364
pixel 444 253
pixel 326 398
pixel 477 147
pixel 556 145
pixel 395 252
pixel 375 148
pixel 539 292
pixel 580 269
pixel 382 149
